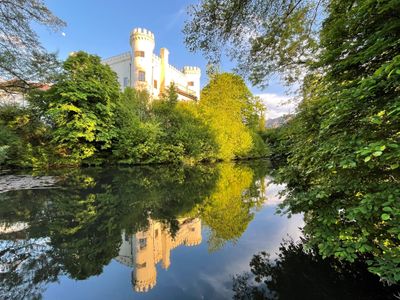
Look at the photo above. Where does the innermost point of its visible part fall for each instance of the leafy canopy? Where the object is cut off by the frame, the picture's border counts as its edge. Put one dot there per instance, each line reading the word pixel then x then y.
pixel 22 58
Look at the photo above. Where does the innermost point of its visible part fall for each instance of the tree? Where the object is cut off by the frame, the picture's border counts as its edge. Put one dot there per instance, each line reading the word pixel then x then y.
pixel 300 273
pixel 341 151
pixel 22 57
pixel 264 37
pixel 223 105
pixel 80 106
pixel 186 135
pixel 137 134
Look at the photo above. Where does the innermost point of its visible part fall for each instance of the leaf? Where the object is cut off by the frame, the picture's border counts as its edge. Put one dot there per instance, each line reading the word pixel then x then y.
pixel 385 217
pixel 377 153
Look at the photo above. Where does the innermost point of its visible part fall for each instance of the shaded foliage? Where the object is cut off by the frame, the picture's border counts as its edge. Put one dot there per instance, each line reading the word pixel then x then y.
pixel 339 155
pixel 298 273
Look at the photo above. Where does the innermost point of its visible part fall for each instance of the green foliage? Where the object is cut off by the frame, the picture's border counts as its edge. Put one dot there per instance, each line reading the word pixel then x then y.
pixel 23 137
pixel 300 273
pixel 340 154
pixel 136 134
pixel 224 106
pixel 264 37
pixel 85 119
pixel 190 137
pixel 343 146
pixel 23 60
pixel 80 107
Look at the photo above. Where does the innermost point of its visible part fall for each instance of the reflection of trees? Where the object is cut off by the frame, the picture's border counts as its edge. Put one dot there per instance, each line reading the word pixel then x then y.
pixel 227 211
pixel 79 224
pixel 25 268
pixel 303 274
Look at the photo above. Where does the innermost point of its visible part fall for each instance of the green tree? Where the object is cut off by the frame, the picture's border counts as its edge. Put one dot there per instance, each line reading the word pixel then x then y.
pixel 301 273
pixel 80 106
pixel 24 137
pixel 186 136
pixel 137 135
pixel 265 38
pixel 341 150
pixel 224 105
pixel 22 58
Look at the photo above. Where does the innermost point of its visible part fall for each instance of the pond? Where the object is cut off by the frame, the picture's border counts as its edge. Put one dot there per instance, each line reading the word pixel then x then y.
pixel 153 232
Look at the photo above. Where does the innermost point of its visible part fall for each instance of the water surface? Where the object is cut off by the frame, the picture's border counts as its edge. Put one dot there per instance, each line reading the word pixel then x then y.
pixel 139 233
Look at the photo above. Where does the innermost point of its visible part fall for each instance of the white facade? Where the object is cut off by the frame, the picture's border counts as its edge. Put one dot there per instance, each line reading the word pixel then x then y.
pixel 142 69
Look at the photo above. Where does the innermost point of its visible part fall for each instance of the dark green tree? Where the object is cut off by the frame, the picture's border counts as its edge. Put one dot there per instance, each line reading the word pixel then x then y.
pixel 80 107
pixel 298 273
pixel 340 152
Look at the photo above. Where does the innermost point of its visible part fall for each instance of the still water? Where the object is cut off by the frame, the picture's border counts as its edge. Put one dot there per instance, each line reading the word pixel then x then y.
pixel 139 233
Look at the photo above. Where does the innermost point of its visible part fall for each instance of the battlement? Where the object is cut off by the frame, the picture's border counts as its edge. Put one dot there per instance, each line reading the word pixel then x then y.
pixel 143 286
pixel 117 58
pixel 142 34
pixel 191 70
pixel 193 242
pixel 141 68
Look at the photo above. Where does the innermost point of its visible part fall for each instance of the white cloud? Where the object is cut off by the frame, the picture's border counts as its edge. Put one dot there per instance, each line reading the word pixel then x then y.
pixel 63 34
pixel 277 105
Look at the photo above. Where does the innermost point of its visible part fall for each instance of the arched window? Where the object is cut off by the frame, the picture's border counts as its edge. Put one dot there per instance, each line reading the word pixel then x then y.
pixel 141 76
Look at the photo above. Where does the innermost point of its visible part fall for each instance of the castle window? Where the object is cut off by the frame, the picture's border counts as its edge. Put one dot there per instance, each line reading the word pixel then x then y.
pixel 140 266
pixel 139 53
pixel 125 82
pixel 142 243
pixel 141 76
pixel 155 84
pixel 190 83
pixel 156 233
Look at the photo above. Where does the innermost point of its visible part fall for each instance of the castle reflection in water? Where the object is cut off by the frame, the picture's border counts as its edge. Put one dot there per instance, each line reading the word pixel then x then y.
pixel 145 249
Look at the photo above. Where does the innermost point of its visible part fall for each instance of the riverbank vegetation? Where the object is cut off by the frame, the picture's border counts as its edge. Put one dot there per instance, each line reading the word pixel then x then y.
pixel 339 155
pixel 84 119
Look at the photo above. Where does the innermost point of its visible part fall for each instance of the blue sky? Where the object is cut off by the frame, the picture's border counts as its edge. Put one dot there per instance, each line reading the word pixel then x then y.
pixel 102 27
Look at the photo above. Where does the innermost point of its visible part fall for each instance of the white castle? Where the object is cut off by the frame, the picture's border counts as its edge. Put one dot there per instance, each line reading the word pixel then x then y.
pixel 143 250
pixel 142 69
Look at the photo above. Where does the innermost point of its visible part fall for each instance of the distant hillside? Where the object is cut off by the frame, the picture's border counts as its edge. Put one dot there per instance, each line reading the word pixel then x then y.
pixel 279 121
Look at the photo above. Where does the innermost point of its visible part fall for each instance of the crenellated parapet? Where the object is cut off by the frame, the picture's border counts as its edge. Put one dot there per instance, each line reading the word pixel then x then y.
pixel 143 285
pixel 142 69
pixel 142 34
pixel 191 70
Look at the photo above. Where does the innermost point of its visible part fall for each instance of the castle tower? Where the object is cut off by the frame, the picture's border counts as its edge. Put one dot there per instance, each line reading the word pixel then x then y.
pixel 192 75
pixel 144 275
pixel 166 249
pixel 194 238
pixel 142 43
pixel 165 80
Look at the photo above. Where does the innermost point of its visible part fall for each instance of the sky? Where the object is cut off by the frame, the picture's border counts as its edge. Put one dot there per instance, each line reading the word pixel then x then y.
pixel 103 27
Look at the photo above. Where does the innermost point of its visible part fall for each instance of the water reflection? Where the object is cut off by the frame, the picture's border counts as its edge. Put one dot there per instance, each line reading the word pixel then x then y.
pixel 74 229
pixel 144 249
